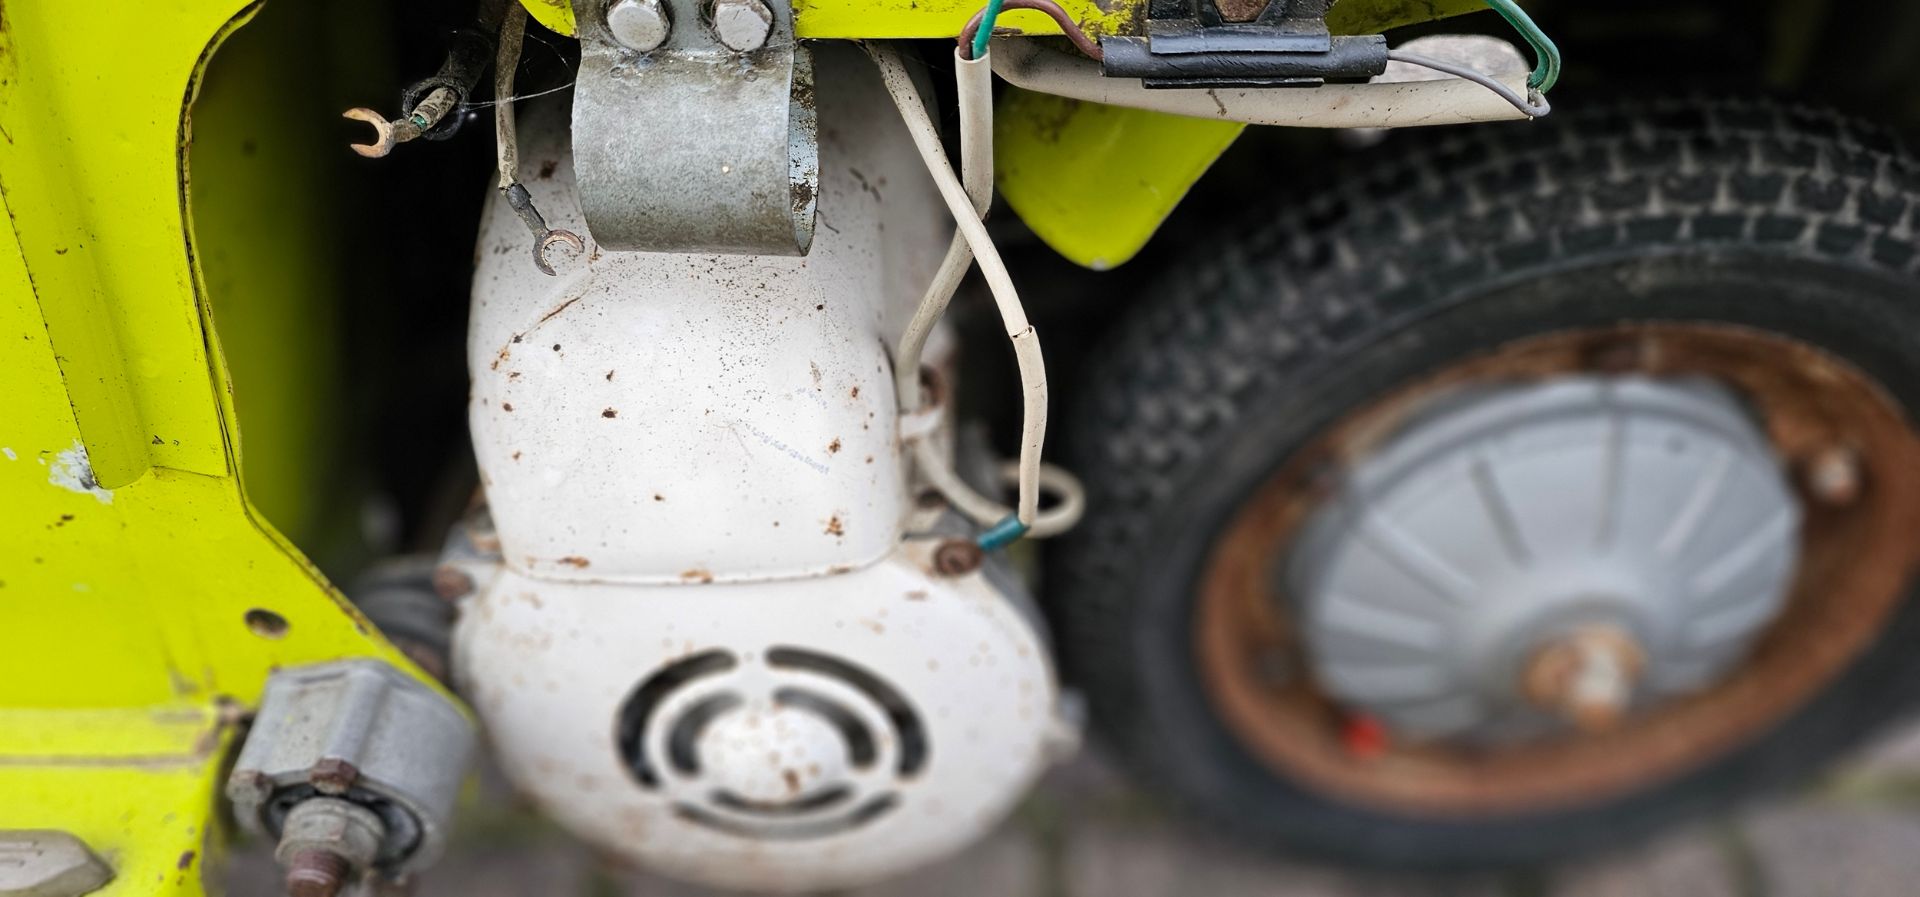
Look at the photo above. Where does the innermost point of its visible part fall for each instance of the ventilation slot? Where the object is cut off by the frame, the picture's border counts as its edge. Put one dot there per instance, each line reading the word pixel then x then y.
pixel 637 713
pixel 906 722
pixel 789 830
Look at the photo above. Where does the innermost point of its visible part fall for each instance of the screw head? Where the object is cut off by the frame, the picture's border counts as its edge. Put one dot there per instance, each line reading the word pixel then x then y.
pixel 639 25
pixel 742 25
pixel 958 557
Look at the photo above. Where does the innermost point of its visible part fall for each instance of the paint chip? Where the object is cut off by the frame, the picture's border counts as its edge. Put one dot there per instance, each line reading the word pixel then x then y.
pixel 70 470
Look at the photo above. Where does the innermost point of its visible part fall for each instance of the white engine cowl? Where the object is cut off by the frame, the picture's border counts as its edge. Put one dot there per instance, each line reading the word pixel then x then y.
pixel 715 644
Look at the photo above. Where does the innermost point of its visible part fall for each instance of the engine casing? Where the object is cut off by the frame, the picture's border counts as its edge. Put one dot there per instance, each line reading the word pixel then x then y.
pixel 714 643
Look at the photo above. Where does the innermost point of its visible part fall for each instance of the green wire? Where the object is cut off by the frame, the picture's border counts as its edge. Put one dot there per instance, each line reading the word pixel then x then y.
pixel 1546 69
pixel 985 33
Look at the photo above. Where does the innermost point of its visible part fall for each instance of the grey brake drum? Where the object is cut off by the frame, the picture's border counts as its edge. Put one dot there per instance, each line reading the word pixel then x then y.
pixel 1502 525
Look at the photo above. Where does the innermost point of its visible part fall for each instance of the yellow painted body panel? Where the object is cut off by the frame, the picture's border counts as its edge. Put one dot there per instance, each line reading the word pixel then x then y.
pixel 857 19
pixel 129 552
pixel 1129 169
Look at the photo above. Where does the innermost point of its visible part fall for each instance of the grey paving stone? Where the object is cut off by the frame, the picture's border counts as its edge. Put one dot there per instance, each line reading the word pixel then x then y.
pixel 1826 850
pixel 1164 861
pixel 539 868
pixel 1698 862
pixel 1895 755
pixel 1006 863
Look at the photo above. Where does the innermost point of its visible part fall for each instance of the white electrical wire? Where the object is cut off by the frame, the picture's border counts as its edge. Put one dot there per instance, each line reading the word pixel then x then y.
pixel 1534 104
pixel 974 80
pixel 1026 345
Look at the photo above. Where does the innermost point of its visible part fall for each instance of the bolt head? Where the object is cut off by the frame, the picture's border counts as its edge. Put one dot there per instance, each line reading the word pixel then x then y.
pixel 639 25
pixel 742 25
pixel 957 557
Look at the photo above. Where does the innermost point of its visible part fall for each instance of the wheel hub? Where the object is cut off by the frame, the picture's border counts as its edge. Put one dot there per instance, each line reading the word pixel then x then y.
pixel 1514 559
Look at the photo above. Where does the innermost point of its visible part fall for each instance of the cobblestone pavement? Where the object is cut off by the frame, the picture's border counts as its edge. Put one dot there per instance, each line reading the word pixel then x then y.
pixel 1086 833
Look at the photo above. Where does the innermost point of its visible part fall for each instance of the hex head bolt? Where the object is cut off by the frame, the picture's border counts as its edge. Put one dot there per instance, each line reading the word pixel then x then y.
pixel 742 25
pixel 639 25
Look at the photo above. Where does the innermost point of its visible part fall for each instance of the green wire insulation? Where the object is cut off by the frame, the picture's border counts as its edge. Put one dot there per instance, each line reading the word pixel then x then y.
pixel 1546 69
pixel 985 33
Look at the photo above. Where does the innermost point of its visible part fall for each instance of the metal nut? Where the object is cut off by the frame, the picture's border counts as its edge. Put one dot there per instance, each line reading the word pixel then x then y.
pixel 639 25
pixel 742 25
pixel 325 842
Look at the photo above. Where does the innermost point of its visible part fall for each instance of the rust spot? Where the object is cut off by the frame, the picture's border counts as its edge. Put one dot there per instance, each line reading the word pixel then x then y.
pixel 836 526
pixel 855 393
pixel 186 860
pixel 820 307
pixel 610 413
pixel 575 561
pixel 506 406
pixel 697 575
pixel 869 459
pixel 792 779
pixel 557 309
pixel 610 376
pixel 658 497
pixel 333 775
pixel 833 448
pixel 556 347
pixel 516 456
pixel 513 375
pixel 917 595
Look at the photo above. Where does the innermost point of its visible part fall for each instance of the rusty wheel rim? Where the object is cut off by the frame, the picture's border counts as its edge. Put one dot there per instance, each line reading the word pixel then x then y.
pixel 1855 562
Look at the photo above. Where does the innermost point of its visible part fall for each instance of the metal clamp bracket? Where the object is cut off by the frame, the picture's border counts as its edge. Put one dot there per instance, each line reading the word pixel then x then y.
pixel 693 146
pixel 1196 44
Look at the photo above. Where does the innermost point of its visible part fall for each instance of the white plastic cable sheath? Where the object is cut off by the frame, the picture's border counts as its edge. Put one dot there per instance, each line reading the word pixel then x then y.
pixel 974 81
pixel 1069 507
pixel 1026 345
pixel 1398 104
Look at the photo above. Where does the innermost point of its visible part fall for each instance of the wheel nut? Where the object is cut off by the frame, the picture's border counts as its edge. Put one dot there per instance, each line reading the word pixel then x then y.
pixel 639 25
pixel 1586 677
pixel 958 557
pixel 1833 476
pixel 742 25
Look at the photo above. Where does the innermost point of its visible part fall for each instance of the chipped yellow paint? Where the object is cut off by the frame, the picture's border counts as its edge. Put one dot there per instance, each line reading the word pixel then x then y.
pixel 130 555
